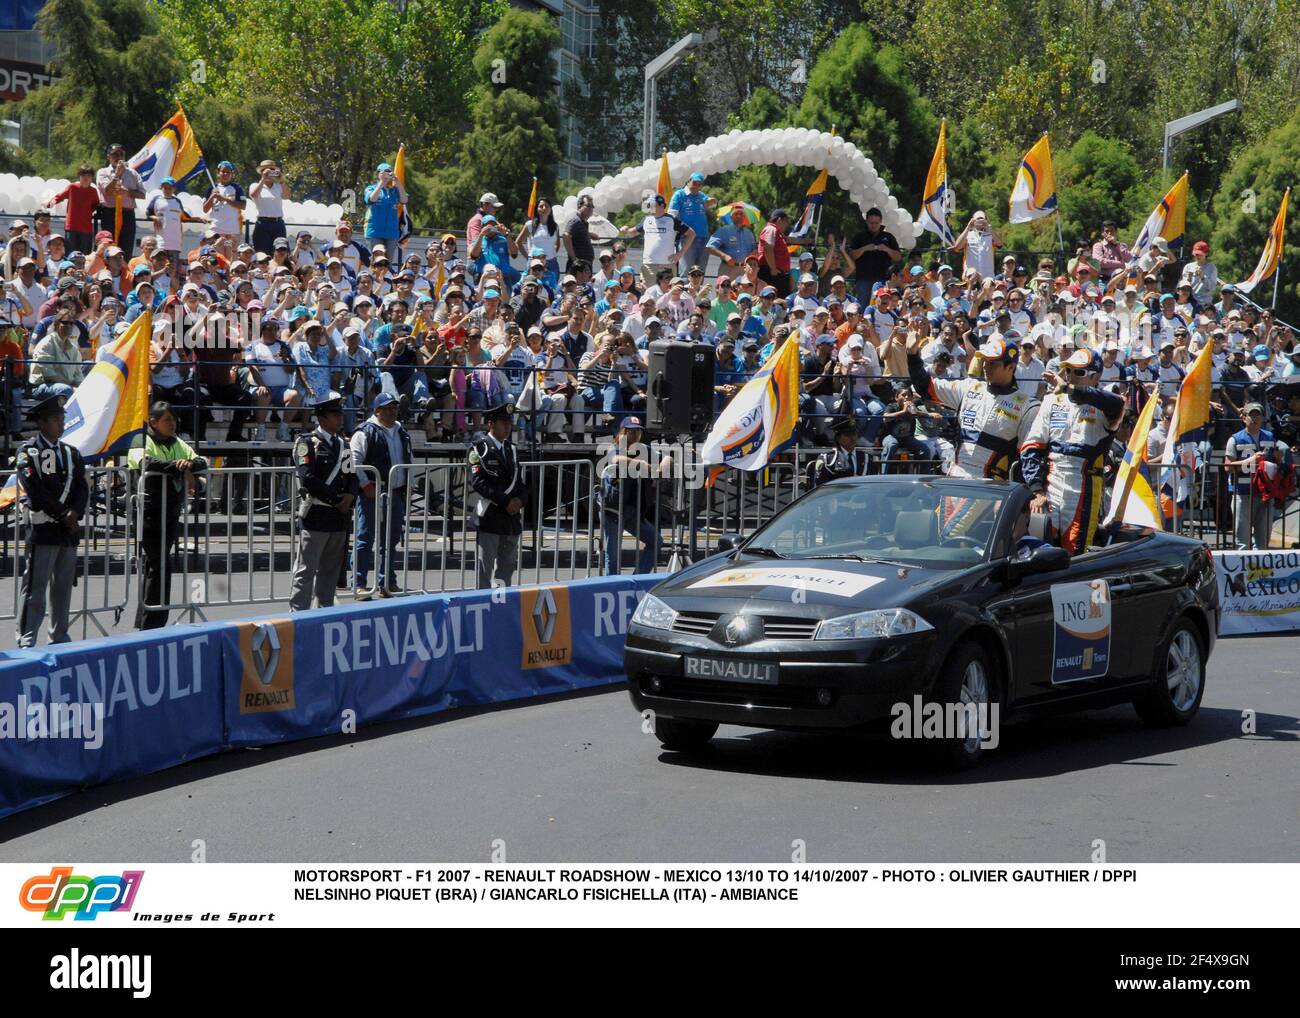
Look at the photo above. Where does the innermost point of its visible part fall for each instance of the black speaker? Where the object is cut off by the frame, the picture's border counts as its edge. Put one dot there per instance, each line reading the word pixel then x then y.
pixel 680 391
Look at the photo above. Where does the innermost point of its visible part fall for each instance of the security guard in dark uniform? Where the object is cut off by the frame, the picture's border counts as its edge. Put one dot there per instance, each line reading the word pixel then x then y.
pixel 843 460
pixel 496 477
pixel 328 488
pixel 53 479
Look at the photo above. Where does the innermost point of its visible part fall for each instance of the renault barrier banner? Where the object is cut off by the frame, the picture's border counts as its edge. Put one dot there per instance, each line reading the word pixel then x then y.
pixel 1259 591
pixel 89 713
pixel 323 672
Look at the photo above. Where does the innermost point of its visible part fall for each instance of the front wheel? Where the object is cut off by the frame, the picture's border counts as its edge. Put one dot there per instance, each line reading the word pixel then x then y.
pixel 1176 696
pixel 966 694
pixel 683 735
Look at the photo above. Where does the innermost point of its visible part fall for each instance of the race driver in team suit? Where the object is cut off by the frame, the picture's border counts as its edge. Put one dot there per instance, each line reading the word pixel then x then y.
pixel 994 417
pixel 1075 428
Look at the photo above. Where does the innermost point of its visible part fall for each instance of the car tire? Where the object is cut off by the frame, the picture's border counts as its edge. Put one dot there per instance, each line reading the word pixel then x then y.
pixel 967 677
pixel 682 735
pixel 1176 694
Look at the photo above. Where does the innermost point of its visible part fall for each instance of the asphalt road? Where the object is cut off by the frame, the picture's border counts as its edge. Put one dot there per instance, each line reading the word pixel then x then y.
pixel 576 780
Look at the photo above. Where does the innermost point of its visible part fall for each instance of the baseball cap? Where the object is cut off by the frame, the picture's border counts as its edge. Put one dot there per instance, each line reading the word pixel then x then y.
pixel 384 168
pixel 697 177
pixel 1252 407
pixel 807 277
pixel 491 292
pixel 1260 352
pixel 999 350
pixel 488 219
pixel 856 342
pixel 826 339
pixel 1088 360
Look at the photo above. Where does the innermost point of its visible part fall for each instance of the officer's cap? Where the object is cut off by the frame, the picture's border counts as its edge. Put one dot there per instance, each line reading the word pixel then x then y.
pixel 330 404
pixel 843 424
pixel 46 407
pixel 503 412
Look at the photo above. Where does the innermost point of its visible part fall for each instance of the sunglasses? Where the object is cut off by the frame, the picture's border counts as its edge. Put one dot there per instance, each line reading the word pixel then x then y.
pixel 1077 372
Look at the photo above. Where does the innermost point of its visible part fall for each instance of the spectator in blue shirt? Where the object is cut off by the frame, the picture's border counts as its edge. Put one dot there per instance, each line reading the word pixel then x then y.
pixel 382 199
pixel 732 242
pixel 494 246
pixel 689 203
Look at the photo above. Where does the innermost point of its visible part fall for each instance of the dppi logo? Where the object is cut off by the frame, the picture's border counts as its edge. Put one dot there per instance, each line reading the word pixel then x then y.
pixel 59 893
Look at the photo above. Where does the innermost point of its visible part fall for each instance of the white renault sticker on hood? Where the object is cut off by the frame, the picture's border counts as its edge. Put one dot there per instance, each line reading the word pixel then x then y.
pixel 839 582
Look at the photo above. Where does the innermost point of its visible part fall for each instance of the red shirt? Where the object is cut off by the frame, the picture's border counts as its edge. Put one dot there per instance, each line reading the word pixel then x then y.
pixel 82 202
pixel 772 238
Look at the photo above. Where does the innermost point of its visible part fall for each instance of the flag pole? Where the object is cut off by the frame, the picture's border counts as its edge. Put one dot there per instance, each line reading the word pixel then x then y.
pixel 817 226
pixel 1277 276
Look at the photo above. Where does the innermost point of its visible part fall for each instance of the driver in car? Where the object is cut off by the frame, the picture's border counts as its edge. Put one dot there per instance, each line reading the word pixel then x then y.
pixel 993 415
pixel 1074 429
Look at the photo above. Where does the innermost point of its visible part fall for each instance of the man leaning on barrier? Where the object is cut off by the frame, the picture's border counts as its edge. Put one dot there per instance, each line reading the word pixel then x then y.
pixel 328 486
pixel 498 480
pixel 53 479
pixel 167 467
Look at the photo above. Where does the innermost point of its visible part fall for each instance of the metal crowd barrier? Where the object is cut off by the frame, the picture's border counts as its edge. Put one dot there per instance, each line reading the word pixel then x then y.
pixel 239 525
pixel 438 552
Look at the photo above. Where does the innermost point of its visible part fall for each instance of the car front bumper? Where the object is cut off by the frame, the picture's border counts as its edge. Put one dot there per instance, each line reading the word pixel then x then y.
pixel 821 683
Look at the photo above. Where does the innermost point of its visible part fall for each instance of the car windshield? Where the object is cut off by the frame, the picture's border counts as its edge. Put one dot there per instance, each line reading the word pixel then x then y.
pixel 935 524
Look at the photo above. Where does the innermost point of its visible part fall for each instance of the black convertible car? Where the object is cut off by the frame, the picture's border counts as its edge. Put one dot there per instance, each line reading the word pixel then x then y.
pixel 874 592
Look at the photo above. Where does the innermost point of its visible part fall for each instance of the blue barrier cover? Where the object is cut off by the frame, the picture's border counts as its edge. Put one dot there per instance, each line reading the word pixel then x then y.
pixel 295 678
pixel 172 695
pixel 143 703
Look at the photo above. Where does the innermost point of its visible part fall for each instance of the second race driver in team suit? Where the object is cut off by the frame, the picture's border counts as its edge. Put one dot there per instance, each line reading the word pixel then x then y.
pixel 1074 429
pixel 994 417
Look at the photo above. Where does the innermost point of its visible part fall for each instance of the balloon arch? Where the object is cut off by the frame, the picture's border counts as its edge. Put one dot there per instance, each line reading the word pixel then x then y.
pixel 788 146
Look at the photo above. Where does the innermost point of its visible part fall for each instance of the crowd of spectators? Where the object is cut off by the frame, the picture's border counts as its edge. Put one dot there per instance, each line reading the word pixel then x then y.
pixel 547 317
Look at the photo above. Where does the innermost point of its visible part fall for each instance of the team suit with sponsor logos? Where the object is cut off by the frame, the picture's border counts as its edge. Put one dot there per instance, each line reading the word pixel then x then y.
pixel 1074 430
pixel 995 423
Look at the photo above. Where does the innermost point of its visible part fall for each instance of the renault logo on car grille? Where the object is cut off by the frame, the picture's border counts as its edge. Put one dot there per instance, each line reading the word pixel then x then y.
pixel 737 630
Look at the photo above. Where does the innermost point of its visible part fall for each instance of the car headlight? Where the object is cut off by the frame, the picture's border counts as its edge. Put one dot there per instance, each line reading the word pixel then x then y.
pixel 654 613
pixel 878 624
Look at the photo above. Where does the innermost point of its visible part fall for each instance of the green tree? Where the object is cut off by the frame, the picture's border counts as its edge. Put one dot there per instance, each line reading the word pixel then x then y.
pixel 862 89
pixel 330 88
pixel 1245 207
pixel 515 129
pixel 116 78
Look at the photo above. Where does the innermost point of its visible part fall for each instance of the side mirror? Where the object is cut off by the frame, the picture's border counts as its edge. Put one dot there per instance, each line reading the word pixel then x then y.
pixel 1046 558
pixel 728 542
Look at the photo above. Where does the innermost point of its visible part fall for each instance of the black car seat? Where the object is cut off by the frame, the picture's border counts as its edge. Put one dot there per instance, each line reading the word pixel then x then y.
pixel 916 529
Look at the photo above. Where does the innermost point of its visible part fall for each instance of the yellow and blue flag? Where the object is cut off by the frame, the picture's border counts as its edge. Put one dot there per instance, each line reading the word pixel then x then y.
pixel 404 227
pixel 811 203
pixel 1272 255
pixel 172 152
pixel 1132 501
pixel 1168 220
pixel 934 208
pixel 108 409
pixel 1034 194
pixel 1191 415
pixel 760 421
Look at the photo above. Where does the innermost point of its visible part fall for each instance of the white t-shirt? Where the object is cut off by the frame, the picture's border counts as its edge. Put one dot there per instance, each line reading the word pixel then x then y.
pixel 225 218
pixel 544 240
pixel 270 201
pixel 269 365
pixel 1029 376
pixel 169 211
pixel 979 252
pixel 660 233
pixel 36 295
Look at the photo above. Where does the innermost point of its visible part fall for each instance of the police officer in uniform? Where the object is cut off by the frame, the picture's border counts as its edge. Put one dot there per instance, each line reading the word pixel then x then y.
pixel 328 487
pixel 499 483
pixel 53 480
pixel 841 461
